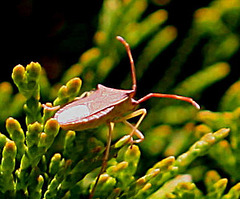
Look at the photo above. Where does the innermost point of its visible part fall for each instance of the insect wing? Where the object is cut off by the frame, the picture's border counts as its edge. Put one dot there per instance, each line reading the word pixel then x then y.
pixel 71 113
pixel 98 101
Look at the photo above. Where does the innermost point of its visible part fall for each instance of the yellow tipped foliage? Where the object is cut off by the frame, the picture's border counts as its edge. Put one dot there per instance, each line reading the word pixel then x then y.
pixel 183 148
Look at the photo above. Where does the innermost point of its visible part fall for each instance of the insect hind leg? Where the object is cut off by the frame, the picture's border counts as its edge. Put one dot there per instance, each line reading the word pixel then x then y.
pixel 105 158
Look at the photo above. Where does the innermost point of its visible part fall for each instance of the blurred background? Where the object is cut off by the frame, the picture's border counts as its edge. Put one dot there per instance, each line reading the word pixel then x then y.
pixel 56 33
pixel 189 48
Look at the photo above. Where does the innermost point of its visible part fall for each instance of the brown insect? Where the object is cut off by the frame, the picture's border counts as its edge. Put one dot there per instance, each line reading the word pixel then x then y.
pixel 108 106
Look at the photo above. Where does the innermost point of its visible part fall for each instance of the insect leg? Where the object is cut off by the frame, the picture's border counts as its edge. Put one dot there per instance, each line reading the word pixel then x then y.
pixel 50 108
pixel 105 158
pixel 135 130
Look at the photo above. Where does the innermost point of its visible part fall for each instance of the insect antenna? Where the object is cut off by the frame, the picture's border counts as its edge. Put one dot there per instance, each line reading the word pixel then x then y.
pixel 178 97
pixel 150 95
pixel 133 73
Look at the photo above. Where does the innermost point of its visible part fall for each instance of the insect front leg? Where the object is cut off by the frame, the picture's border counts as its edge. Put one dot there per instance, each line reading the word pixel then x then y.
pixel 142 113
pixel 134 132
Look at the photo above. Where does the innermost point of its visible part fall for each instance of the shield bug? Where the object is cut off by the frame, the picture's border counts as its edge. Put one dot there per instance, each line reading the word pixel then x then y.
pixel 108 106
